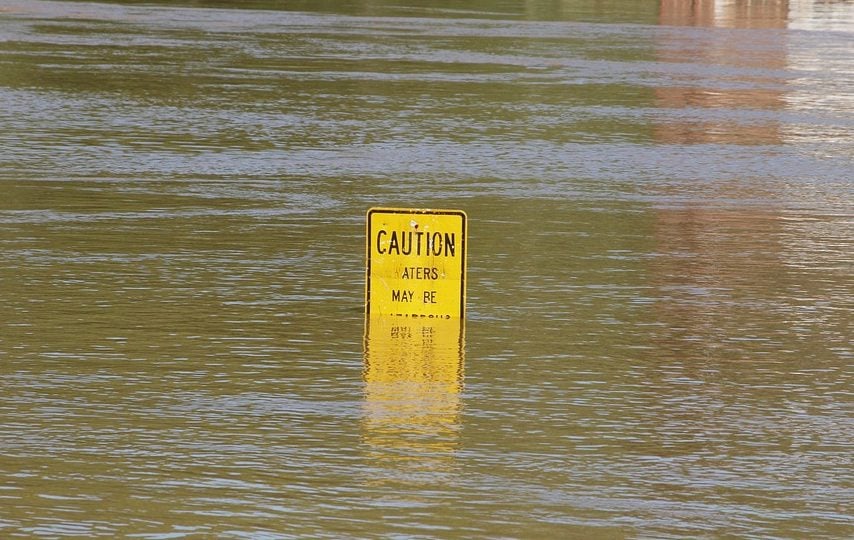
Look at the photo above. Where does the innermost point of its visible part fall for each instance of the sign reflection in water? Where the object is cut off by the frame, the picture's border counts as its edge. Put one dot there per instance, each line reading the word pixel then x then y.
pixel 413 382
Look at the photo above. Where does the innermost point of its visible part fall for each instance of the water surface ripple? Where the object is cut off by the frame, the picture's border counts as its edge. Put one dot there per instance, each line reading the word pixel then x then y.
pixel 658 340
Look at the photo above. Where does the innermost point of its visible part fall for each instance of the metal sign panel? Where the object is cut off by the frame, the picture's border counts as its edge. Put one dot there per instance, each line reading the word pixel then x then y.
pixel 416 263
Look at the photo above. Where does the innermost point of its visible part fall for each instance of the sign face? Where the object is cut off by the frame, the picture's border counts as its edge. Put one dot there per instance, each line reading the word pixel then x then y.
pixel 416 263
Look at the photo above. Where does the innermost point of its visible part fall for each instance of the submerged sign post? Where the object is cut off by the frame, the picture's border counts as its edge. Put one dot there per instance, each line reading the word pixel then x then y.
pixel 416 263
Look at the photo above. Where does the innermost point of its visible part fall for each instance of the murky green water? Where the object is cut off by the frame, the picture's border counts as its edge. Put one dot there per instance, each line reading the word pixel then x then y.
pixel 658 341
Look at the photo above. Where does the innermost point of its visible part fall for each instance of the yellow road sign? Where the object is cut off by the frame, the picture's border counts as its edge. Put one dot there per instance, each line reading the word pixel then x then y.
pixel 416 263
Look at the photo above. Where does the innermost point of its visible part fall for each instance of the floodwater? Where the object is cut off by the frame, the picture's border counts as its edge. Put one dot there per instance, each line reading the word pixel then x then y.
pixel 658 337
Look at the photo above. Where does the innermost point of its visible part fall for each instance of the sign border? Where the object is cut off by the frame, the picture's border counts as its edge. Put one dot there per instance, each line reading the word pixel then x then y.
pixel 416 211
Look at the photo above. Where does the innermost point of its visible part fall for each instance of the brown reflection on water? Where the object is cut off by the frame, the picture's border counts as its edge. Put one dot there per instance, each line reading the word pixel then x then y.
pixel 413 382
pixel 716 272
pixel 726 14
pixel 747 63
pixel 718 263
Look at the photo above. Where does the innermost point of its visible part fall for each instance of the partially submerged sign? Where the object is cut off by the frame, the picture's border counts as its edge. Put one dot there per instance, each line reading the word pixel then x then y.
pixel 416 263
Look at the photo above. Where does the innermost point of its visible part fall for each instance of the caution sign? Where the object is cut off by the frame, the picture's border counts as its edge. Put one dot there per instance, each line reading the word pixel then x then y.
pixel 416 263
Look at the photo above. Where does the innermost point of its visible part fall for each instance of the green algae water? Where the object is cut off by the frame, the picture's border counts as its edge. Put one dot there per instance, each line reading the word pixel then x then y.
pixel 659 287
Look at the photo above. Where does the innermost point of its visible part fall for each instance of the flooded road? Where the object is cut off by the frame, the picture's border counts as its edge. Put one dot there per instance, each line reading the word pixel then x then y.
pixel 660 292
